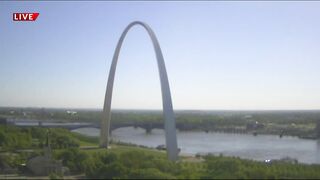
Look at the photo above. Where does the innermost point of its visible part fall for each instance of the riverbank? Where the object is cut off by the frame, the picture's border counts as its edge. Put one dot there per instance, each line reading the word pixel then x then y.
pixel 153 164
pixel 84 159
pixel 302 124
pixel 247 146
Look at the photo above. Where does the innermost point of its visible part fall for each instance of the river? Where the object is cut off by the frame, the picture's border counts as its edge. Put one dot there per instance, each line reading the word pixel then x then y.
pixel 247 146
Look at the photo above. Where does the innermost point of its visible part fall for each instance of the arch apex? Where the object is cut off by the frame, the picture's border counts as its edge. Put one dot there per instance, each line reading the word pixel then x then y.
pixel 169 120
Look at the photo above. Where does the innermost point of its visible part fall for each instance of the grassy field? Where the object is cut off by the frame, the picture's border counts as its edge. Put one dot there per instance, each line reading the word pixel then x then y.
pixel 85 159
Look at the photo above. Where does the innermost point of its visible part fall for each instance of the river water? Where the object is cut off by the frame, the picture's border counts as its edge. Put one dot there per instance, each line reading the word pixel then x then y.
pixel 260 147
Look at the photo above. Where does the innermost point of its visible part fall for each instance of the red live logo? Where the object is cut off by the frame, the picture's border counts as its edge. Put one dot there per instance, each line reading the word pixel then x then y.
pixel 25 16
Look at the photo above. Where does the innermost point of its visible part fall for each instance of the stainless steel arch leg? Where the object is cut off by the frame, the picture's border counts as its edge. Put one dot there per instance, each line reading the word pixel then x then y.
pixel 169 120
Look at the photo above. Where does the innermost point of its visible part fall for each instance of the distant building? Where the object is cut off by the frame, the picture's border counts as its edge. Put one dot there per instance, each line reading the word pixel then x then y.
pixel 3 121
pixel 161 147
pixel 287 159
pixel 44 165
pixel 254 125
pixel 72 112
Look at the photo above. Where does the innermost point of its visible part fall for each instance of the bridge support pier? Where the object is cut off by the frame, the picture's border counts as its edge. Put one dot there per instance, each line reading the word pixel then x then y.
pixel 148 130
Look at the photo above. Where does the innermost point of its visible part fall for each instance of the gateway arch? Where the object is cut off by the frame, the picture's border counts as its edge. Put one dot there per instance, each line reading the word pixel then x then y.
pixel 169 121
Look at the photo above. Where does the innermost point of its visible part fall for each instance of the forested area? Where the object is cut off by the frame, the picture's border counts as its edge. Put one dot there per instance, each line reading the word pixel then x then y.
pixel 12 138
pixel 141 165
pixel 126 161
pixel 292 123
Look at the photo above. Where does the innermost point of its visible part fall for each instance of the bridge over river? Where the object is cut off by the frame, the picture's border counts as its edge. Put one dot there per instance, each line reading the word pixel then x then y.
pixel 148 126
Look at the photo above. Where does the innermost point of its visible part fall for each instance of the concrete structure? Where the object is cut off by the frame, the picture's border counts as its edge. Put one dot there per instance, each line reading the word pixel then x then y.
pixel 169 121
pixel 3 121
pixel 44 165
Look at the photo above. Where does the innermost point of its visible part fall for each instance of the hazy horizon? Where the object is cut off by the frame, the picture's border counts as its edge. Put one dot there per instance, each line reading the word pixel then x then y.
pixel 160 109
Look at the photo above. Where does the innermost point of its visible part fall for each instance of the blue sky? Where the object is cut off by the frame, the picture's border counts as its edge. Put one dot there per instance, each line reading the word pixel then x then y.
pixel 219 55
